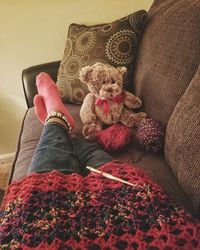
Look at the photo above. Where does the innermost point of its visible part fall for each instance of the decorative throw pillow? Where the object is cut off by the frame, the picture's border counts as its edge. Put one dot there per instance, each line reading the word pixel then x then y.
pixel 113 43
pixel 182 142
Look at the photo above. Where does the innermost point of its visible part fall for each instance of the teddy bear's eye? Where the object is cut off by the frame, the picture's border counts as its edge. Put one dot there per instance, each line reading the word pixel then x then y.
pixel 113 81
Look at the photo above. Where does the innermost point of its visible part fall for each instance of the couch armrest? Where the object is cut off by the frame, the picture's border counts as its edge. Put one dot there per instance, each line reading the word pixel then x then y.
pixel 29 75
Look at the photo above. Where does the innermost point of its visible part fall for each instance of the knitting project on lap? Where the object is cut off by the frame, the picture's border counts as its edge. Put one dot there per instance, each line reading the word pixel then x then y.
pixel 58 211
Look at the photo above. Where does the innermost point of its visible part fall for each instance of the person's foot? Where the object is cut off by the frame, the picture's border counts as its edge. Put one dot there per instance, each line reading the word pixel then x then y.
pixel 40 109
pixel 49 99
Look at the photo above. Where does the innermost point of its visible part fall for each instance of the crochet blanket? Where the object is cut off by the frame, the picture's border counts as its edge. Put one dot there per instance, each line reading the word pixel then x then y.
pixel 58 211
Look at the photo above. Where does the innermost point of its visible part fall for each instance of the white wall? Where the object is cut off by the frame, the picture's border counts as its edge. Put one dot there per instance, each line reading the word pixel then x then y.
pixel 33 32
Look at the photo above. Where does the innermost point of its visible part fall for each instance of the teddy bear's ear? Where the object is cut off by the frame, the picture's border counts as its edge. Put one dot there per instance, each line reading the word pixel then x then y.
pixel 122 70
pixel 85 74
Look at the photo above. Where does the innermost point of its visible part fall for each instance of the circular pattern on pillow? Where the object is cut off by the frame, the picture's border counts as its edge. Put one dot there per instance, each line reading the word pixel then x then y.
pixel 68 48
pixel 105 29
pixel 85 42
pixel 120 46
pixel 72 67
pixel 79 92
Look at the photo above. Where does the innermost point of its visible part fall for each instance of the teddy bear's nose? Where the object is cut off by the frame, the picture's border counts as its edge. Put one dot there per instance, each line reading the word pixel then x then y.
pixel 109 89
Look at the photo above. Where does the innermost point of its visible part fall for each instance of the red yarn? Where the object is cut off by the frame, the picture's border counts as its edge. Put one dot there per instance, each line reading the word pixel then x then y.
pixel 115 137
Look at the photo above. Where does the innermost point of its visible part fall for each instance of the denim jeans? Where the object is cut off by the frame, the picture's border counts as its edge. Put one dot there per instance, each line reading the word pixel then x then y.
pixel 57 151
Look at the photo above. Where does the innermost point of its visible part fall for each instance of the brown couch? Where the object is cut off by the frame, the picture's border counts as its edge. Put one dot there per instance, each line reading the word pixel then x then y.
pixel 168 59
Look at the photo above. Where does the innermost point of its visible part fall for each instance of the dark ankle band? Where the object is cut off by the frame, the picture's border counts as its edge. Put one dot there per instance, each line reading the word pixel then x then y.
pixel 57 123
pixel 59 116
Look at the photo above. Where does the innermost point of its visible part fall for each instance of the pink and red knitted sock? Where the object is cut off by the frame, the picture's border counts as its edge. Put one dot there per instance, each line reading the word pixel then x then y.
pixel 40 109
pixel 48 99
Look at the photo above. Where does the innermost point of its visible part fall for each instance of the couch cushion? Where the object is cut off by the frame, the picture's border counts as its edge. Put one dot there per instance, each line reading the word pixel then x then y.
pixel 169 55
pixel 156 166
pixel 182 146
pixel 113 43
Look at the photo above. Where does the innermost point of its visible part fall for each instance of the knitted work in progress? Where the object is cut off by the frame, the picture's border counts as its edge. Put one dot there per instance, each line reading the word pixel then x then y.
pixel 57 211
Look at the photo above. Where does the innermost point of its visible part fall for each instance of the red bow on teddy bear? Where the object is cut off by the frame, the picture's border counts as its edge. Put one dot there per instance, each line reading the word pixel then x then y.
pixel 105 103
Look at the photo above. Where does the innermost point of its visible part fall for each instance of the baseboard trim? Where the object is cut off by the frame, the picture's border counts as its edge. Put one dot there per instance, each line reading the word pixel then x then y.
pixel 7 156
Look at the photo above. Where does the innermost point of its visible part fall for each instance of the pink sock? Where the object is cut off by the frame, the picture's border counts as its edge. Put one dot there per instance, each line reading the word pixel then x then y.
pixel 51 97
pixel 40 109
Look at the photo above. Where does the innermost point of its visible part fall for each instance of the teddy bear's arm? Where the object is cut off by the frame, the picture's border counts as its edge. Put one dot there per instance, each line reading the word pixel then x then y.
pixel 131 101
pixel 87 111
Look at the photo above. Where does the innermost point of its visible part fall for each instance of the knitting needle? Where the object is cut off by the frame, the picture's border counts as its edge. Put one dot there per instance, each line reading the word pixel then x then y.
pixel 109 176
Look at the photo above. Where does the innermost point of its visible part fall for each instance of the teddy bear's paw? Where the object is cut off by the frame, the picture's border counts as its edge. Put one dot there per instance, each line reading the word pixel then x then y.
pixel 137 102
pixel 90 131
pixel 131 119
pixel 140 117
pixel 132 101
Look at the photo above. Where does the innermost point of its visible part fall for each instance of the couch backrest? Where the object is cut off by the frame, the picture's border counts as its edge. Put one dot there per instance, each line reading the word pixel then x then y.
pixel 169 55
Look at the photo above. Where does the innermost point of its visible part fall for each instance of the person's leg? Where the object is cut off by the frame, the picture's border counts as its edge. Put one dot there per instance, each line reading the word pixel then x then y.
pixel 89 154
pixel 54 150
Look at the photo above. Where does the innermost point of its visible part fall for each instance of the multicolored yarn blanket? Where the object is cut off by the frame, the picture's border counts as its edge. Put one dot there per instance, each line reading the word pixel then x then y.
pixel 58 211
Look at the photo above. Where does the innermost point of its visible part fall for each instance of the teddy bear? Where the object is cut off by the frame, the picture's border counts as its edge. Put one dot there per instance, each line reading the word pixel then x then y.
pixel 107 102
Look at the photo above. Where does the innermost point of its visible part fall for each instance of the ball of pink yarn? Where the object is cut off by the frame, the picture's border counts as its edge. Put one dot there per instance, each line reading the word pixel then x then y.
pixel 115 138
pixel 151 135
